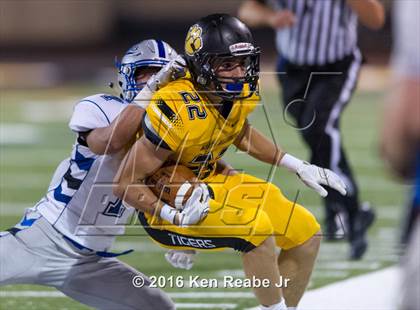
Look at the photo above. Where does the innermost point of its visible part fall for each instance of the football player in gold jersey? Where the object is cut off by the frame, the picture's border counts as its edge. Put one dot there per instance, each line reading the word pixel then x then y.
pixel 192 121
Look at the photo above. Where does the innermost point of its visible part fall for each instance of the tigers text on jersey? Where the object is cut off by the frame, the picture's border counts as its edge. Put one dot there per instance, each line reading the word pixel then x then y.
pixel 181 119
pixel 79 202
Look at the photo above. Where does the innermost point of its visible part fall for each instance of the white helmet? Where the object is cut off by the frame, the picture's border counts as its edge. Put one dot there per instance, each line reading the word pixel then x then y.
pixel 147 53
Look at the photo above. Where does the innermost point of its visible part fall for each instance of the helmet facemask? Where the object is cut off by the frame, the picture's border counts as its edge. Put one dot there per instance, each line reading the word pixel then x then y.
pixel 128 78
pixel 153 54
pixel 229 87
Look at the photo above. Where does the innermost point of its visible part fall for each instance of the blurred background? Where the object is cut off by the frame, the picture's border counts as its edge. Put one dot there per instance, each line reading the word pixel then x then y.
pixel 55 52
pixel 45 43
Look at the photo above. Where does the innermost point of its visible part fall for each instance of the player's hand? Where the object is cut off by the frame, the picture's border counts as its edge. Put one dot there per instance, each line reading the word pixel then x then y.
pixel 182 259
pixel 173 70
pixel 196 208
pixel 314 176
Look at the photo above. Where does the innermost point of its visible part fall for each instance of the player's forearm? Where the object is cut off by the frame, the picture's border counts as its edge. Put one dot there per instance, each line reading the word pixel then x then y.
pixel 121 132
pixel 371 13
pixel 140 162
pixel 255 14
pixel 257 145
pixel 260 147
pixel 126 128
pixel 131 188
pixel 140 197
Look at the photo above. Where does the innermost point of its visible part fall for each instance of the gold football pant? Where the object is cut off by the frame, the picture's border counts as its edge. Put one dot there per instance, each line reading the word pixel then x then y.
pixel 244 211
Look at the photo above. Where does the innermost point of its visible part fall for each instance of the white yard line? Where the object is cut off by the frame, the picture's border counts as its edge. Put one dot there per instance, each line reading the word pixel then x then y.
pixel 24 181
pixel 184 295
pixel 56 294
pixel 324 273
pixel 368 292
pixel 10 208
pixel 208 294
pixel 348 265
pixel 42 111
pixel 45 157
pixel 372 291
pixel 32 294
pixel 238 273
pixel 321 274
pixel 204 306
pixel 17 133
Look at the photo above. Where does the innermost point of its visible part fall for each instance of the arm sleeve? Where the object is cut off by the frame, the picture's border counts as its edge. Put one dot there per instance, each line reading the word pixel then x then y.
pixel 88 115
pixel 151 133
pixel 163 124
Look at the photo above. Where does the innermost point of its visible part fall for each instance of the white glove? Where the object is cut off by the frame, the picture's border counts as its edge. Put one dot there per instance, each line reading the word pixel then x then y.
pixel 173 70
pixel 195 209
pixel 205 196
pixel 314 176
pixel 182 259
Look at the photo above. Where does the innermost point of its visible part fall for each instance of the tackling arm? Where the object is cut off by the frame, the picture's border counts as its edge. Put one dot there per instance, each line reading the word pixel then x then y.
pixel 120 133
pixel 142 160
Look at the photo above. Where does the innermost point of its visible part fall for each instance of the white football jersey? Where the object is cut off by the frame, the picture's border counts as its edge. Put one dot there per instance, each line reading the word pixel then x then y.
pixel 79 202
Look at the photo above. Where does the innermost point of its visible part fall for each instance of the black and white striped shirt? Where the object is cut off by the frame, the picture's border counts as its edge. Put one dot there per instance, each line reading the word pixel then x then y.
pixel 325 31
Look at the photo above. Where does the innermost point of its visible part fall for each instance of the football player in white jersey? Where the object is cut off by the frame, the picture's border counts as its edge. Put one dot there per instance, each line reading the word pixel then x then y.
pixel 63 241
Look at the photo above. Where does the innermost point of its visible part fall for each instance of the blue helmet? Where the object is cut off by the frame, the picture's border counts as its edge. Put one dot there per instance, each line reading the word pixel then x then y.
pixel 147 53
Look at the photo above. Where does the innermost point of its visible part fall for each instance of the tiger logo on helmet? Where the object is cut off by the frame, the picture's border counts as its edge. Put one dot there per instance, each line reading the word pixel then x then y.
pixel 193 42
pixel 219 38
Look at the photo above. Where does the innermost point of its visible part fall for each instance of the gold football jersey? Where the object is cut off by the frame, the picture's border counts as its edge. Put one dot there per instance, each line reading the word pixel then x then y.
pixel 181 119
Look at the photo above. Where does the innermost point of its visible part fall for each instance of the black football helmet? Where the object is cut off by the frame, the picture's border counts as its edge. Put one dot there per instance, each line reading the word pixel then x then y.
pixel 219 38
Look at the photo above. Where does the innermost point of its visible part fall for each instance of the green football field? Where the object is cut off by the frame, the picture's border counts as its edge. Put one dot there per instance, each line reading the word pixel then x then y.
pixel 34 138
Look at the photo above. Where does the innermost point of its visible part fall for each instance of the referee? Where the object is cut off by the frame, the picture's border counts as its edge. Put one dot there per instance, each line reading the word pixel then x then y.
pixel 318 69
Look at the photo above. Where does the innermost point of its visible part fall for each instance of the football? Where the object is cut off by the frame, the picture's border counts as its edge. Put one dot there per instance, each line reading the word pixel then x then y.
pixel 173 184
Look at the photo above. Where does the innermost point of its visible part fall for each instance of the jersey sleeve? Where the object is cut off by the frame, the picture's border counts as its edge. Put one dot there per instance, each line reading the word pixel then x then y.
pixel 88 115
pixel 162 123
